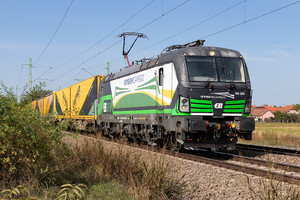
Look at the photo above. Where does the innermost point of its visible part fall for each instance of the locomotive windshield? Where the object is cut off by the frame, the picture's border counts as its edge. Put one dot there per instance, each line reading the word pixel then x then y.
pixel 215 69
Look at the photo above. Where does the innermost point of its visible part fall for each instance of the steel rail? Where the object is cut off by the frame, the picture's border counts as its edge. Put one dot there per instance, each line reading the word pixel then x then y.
pixel 268 149
pixel 241 168
pixel 265 163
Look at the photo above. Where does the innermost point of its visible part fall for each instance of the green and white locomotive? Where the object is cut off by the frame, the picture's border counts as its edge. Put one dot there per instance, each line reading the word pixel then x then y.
pixel 191 96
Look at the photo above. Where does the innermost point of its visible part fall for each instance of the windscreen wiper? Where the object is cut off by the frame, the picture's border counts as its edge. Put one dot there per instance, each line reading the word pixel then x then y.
pixel 232 84
pixel 207 84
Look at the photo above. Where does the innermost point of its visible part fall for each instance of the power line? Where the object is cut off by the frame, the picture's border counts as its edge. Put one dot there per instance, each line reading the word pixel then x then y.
pixel 109 34
pixel 193 26
pixel 252 19
pixel 62 75
pixel 54 32
pixel 164 14
pixel 88 72
pixel 42 74
pixel 121 40
pixel 225 29
pixel 152 21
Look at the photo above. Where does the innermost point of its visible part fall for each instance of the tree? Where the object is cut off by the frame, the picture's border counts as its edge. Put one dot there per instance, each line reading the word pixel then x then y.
pixel 294 117
pixel 37 92
pixel 278 116
pixel 296 107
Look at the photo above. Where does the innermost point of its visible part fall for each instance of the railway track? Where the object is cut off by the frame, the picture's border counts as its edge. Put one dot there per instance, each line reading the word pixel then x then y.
pixel 269 164
pixel 258 167
pixel 256 170
pixel 267 149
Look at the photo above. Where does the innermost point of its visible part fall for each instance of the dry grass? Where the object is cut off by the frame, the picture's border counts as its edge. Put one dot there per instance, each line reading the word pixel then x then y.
pixel 279 134
pixel 269 189
pixel 142 174
pixel 145 175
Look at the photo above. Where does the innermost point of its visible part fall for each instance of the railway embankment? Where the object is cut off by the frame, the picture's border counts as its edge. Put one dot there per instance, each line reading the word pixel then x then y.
pixel 205 181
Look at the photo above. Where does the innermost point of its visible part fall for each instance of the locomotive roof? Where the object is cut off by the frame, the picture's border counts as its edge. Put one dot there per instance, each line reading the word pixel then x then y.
pixel 173 56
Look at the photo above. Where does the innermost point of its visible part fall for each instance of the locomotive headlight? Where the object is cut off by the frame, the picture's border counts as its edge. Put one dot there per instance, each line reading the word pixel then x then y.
pixel 212 53
pixel 184 104
pixel 247 108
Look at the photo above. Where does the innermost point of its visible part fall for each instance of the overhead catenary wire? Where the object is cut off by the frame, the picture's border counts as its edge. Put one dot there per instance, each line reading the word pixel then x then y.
pixel 164 14
pixel 222 30
pixel 105 37
pixel 147 24
pixel 252 19
pixel 88 72
pixel 209 35
pixel 155 19
pixel 47 46
pixel 217 32
pixel 62 75
pixel 42 74
pixel 191 27
pixel 187 29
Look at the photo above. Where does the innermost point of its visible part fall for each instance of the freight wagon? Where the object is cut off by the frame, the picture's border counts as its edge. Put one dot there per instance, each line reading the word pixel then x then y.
pixel 78 102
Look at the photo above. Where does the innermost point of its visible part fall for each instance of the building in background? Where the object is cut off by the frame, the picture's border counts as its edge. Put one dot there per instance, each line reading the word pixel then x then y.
pixel 261 114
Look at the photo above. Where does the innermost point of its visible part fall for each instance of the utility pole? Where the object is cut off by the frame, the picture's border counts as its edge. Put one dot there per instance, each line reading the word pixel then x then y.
pixel 30 74
pixel 107 68
pixel 17 91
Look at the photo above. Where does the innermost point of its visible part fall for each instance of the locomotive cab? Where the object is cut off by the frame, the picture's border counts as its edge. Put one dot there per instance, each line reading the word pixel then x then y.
pixel 215 95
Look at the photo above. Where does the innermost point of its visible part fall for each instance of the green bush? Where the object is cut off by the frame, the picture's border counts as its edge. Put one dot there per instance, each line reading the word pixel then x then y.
pixel 28 143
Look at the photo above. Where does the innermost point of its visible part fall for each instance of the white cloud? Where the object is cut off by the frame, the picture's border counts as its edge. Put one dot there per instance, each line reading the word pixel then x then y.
pixel 284 53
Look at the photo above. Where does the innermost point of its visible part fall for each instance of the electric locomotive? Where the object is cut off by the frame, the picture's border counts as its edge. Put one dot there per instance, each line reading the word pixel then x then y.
pixel 191 96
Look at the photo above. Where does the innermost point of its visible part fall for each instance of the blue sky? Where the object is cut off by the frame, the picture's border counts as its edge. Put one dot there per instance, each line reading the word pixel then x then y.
pixel 270 44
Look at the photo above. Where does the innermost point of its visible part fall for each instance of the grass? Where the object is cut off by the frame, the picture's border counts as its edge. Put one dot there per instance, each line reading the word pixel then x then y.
pixel 107 191
pixel 269 189
pixel 280 128
pixel 109 173
pixel 145 175
pixel 278 134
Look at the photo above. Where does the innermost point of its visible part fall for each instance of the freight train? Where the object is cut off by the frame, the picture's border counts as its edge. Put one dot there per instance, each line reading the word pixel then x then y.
pixel 191 96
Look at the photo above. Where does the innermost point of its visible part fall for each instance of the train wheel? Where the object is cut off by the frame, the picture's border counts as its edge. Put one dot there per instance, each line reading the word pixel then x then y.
pixel 172 143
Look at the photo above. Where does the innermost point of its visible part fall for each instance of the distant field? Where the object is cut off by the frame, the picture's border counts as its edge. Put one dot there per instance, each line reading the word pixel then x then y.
pixel 280 128
pixel 280 134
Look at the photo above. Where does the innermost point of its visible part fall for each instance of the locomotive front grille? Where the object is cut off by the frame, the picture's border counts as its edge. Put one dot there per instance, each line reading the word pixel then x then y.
pixel 234 107
pixel 201 107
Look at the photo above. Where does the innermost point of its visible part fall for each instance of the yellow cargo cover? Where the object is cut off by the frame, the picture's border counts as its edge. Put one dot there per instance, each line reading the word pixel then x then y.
pixel 79 100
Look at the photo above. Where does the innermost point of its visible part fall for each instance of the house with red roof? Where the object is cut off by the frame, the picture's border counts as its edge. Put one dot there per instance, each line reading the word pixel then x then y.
pixel 261 114
pixel 289 109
